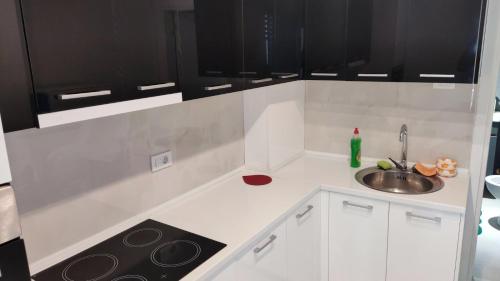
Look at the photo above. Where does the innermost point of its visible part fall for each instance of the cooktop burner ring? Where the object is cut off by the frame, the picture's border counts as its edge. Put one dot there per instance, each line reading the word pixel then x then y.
pixel 114 259
pixel 125 277
pixel 132 245
pixel 194 257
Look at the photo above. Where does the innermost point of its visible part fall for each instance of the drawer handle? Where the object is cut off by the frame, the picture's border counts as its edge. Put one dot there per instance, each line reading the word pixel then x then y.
pixel 367 207
pixel 434 219
pixel 373 75
pixel 269 241
pixel 309 208
pixel 258 81
pixel 324 74
pixel 84 95
pixel 424 75
pixel 289 76
pixel 157 86
pixel 219 87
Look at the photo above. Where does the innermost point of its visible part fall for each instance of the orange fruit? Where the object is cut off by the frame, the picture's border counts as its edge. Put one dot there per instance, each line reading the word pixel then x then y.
pixel 426 171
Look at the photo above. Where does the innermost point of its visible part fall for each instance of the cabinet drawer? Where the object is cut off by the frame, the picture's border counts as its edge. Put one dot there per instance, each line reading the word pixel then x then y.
pixel 422 244
pixel 266 260
pixel 358 238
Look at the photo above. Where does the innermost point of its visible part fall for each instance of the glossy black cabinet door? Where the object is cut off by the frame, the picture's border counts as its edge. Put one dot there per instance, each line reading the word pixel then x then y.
pixel 72 52
pixel 272 41
pixel 13 261
pixel 372 38
pixel 442 40
pixel 146 47
pixel 16 93
pixel 325 39
pixel 205 67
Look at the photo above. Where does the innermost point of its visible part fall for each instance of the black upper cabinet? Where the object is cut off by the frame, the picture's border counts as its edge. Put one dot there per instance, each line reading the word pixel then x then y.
pixel 325 39
pixel 273 34
pixel 372 37
pixel 442 40
pixel 90 52
pixel 16 93
pixel 210 44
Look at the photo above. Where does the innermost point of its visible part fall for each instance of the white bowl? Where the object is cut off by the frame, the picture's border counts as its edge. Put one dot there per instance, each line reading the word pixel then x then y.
pixel 493 184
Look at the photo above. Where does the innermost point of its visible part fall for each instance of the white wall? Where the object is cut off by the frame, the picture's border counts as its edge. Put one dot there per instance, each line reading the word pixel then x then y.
pixel 75 180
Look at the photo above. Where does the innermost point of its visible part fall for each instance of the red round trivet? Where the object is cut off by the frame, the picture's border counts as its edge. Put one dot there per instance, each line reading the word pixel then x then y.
pixel 257 180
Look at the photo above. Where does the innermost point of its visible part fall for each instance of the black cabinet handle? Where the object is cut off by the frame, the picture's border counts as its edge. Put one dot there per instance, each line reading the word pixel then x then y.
pixel 219 87
pixel 157 86
pixel 425 75
pixel 84 95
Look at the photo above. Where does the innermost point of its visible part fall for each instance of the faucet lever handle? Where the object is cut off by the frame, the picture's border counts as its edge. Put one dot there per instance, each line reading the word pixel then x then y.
pixel 399 166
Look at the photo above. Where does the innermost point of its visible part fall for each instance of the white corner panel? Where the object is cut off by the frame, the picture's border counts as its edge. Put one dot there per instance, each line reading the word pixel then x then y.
pixel 274 125
pixel 98 111
pixel 5 175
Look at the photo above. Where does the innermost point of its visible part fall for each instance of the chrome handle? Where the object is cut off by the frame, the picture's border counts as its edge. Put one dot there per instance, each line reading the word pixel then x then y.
pixel 434 219
pixel 324 74
pixel 157 86
pixel 309 208
pixel 269 241
pixel 373 75
pixel 84 95
pixel 219 87
pixel 258 81
pixel 424 75
pixel 368 207
pixel 289 76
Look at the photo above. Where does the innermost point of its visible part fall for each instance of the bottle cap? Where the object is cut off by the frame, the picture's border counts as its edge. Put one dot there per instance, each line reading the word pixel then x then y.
pixel 356 131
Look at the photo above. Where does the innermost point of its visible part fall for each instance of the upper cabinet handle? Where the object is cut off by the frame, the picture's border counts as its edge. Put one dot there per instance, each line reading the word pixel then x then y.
pixel 324 74
pixel 309 208
pixel 434 219
pixel 289 76
pixel 424 75
pixel 373 75
pixel 368 207
pixel 157 86
pixel 258 81
pixel 84 95
pixel 213 88
pixel 269 241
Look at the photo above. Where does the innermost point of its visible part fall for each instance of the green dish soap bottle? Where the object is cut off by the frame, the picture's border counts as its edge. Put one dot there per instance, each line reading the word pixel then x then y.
pixel 356 149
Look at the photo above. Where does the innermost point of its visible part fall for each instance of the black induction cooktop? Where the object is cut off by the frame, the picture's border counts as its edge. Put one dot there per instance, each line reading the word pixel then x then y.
pixel 149 251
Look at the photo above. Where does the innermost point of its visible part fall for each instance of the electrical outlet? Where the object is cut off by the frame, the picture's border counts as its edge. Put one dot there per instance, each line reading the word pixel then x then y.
pixel 161 161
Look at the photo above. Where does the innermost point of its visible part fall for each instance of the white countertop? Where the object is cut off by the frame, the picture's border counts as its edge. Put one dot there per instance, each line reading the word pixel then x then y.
pixel 229 211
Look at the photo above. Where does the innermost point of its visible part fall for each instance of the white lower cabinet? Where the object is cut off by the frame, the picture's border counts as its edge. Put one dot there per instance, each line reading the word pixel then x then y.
pixel 266 261
pixel 303 229
pixel 422 244
pixel 358 238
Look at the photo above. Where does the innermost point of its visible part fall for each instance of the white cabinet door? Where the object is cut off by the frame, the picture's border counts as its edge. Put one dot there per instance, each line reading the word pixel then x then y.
pixel 358 238
pixel 303 233
pixel 266 261
pixel 422 244
pixel 228 274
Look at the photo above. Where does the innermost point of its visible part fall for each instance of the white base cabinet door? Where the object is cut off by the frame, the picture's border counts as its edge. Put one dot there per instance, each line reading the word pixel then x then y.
pixel 228 274
pixel 358 238
pixel 422 244
pixel 266 261
pixel 303 229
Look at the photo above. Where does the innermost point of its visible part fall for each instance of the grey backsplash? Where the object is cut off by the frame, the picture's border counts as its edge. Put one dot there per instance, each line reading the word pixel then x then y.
pixel 440 121
pixel 75 180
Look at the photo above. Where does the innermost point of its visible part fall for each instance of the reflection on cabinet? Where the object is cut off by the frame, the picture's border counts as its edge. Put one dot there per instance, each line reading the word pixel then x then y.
pixel 267 259
pixel 422 244
pixel 358 238
pixel 16 94
pixel 94 52
pixel 303 239
pixel 430 56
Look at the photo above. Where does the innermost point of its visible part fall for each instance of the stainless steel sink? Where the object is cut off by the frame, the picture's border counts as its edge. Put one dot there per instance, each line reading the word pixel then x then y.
pixel 397 181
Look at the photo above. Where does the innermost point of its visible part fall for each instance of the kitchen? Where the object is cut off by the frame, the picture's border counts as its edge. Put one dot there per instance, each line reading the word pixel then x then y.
pixel 129 115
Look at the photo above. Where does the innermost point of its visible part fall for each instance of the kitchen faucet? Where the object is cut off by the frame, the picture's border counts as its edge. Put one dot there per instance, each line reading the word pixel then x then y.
pixel 403 137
